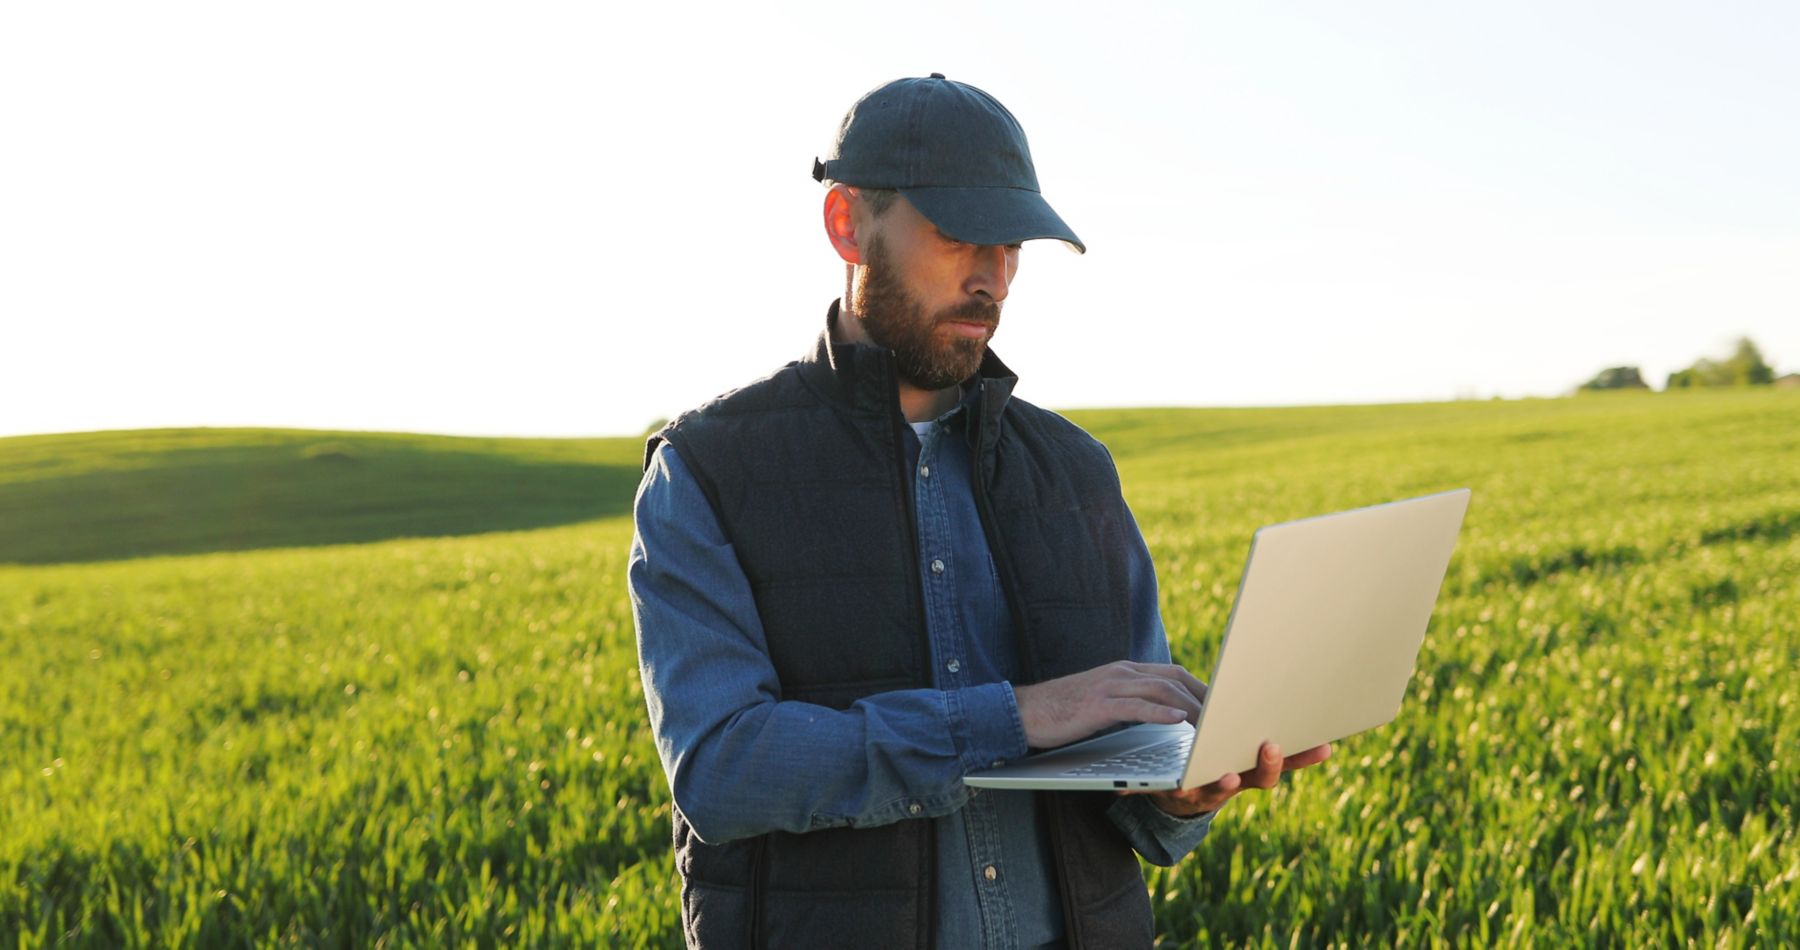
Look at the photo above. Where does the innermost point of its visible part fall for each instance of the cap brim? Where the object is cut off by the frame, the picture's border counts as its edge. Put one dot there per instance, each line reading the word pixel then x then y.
pixel 992 215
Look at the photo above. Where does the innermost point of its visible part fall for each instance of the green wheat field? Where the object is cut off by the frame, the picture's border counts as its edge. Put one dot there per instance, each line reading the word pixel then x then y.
pixel 265 687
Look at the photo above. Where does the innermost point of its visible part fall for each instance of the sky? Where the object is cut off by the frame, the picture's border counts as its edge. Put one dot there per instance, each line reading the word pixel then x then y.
pixel 572 219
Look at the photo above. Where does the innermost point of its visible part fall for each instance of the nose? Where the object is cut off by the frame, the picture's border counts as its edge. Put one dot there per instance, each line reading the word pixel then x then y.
pixel 992 271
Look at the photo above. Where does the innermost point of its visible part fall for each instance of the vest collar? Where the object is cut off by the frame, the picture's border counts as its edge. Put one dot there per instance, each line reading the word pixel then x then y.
pixel 862 376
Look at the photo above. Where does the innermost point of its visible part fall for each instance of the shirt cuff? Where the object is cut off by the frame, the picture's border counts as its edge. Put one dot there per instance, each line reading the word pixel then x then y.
pixel 1162 838
pixel 984 721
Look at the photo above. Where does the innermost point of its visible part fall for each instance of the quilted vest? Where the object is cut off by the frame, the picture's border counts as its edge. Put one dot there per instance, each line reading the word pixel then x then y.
pixel 807 472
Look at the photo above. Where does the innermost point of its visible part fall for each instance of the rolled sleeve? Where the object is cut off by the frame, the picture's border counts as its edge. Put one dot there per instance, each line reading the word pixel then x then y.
pixel 1163 839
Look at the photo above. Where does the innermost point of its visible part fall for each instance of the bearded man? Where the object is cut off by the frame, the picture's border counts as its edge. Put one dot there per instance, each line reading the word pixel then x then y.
pixel 876 570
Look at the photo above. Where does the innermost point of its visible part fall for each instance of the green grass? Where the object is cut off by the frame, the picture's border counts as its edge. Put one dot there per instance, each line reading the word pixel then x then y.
pixel 442 741
pixel 106 495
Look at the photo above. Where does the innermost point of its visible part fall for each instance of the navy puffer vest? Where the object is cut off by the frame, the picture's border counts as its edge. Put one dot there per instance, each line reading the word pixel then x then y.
pixel 806 470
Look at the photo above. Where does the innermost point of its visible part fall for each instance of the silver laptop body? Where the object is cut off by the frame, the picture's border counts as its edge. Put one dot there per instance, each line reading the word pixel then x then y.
pixel 1321 642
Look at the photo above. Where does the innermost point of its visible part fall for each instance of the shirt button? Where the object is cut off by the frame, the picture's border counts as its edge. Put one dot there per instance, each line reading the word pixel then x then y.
pixel 915 808
pixel 954 665
pixel 937 566
pixel 924 471
pixel 990 873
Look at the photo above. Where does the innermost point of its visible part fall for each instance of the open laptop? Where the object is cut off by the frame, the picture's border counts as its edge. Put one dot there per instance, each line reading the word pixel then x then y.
pixel 1322 639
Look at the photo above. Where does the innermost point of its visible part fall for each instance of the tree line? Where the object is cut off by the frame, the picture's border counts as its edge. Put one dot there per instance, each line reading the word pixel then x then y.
pixel 1744 367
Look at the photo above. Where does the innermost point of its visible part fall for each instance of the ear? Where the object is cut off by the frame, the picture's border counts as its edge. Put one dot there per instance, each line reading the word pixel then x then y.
pixel 840 223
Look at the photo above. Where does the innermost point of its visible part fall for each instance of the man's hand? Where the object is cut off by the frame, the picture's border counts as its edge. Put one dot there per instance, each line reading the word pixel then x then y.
pixel 1269 766
pixel 1060 711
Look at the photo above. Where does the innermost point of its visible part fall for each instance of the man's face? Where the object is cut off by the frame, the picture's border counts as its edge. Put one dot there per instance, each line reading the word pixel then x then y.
pixel 934 301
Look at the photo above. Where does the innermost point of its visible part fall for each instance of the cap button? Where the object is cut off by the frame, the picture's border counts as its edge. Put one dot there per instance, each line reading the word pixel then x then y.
pixel 937 75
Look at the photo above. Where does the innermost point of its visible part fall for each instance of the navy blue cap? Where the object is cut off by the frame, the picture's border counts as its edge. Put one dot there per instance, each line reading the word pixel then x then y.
pixel 954 152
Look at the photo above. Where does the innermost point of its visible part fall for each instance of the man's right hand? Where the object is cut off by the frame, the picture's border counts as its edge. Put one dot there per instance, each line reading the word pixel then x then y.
pixel 1059 711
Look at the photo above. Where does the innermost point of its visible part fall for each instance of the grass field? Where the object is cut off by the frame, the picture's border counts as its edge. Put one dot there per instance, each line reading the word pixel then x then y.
pixel 316 707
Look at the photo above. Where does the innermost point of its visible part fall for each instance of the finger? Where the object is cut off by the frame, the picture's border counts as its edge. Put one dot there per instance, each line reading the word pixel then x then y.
pixel 1124 709
pixel 1168 690
pixel 1229 783
pixel 1176 674
pixel 1268 768
pixel 1213 797
pixel 1148 687
pixel 1191 683
pixel 1310 757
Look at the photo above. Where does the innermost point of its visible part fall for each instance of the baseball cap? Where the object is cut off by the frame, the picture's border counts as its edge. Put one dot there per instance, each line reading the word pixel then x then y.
pixel 954 152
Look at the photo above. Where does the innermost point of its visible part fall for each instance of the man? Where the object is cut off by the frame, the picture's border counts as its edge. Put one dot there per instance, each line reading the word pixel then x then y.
pixel 874 571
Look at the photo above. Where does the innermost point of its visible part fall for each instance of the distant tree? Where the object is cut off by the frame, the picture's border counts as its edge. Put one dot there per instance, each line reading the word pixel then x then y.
pixel 1617 377
pixel 1747 366
pixel 1744 367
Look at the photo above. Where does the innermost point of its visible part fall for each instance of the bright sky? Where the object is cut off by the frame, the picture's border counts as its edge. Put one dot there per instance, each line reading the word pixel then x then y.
pixel 575 218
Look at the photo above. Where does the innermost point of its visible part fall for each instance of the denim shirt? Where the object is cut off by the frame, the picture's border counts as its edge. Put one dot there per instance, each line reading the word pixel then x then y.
pixel 741 762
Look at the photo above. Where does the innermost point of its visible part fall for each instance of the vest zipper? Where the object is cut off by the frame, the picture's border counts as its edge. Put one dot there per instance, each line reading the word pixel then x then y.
pixel 910 515
pixel 997 550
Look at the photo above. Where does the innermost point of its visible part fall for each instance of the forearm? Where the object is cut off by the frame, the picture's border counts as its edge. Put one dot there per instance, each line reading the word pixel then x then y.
pixel 792 766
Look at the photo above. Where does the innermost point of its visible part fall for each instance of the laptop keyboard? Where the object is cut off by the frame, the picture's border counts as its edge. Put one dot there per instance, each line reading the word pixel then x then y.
pixel 1158 759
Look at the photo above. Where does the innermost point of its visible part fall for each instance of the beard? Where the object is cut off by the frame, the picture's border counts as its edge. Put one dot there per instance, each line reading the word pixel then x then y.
pixel 924 357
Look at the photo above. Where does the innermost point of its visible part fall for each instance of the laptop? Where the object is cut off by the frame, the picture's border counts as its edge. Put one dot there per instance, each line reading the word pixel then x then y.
pixel 1320 645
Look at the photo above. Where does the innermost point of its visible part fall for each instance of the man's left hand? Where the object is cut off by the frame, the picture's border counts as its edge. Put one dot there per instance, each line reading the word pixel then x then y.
pixel 1269 766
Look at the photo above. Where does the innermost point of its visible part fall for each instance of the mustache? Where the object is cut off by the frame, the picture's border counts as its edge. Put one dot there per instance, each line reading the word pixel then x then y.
pixel 974 310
